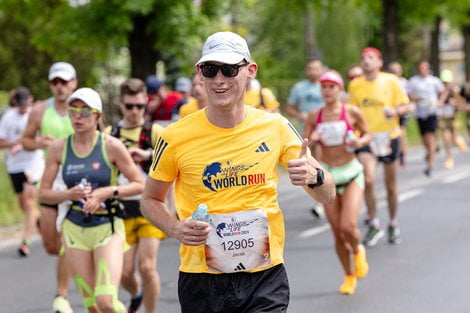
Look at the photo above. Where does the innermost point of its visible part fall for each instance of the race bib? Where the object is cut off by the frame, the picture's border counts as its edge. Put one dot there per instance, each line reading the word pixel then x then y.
pixel 238 242
pixel 332 133
pixel 381 144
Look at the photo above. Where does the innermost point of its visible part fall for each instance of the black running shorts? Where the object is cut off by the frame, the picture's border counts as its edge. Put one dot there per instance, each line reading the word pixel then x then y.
pixel 395 145
pixel 264 291
pixel 428 124
pixel 18 179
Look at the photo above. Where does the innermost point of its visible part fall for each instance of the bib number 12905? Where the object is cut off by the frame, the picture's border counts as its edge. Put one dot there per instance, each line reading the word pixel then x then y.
pixel 238 244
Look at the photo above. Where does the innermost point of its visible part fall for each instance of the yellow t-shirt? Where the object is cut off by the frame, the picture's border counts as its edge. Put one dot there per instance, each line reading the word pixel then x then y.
pixel 130 136
pixel 230 170
pixel 373 96
pixel 189 107
pixel 252 97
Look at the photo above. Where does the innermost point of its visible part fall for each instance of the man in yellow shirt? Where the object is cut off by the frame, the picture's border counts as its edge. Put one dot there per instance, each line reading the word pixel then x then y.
pixel 226 156
pixel 381 99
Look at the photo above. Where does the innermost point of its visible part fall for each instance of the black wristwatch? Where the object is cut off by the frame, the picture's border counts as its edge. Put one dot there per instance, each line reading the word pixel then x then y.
pixel 115 191
pixel 320 179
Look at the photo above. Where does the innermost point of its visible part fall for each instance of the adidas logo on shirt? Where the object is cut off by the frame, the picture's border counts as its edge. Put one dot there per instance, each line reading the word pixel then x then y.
pixel 240 267
pixel 263 148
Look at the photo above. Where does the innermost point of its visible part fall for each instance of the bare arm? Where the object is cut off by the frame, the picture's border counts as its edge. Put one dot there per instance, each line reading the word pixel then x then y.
pixel 188 232
pixel 53 161
pixel 293 111
pixel 4 144
pixel 361 126
pixel 120 157
pixel 30 140
pixel 303 172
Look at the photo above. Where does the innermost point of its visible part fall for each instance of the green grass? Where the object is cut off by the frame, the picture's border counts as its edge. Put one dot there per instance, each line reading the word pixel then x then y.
pixel 10 212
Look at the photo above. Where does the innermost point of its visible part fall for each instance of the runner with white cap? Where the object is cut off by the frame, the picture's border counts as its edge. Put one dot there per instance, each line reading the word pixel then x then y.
pixel 226 157
pixel 93 231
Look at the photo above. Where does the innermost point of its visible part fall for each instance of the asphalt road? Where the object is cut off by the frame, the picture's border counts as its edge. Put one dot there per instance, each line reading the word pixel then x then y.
pixel 428 272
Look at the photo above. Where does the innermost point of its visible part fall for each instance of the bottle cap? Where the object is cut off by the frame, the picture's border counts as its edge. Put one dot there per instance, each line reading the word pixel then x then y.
pixel 202 207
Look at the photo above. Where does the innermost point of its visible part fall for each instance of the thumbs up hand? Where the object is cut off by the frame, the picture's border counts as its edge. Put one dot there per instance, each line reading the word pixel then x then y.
pixel 302 171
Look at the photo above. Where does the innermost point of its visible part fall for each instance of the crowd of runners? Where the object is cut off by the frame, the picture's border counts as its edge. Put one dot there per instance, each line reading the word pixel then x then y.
pixel 104 196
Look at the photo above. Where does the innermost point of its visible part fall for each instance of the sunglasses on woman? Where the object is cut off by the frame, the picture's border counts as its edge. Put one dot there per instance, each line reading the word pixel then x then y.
pixel 228 70
pixel 83 111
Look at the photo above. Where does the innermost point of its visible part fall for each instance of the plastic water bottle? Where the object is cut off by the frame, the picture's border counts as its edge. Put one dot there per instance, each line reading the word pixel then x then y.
pixel 350 136
pixel 201 213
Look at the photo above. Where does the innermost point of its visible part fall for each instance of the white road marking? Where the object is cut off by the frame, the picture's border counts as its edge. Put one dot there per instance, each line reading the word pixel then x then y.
pixel 314 231
pixel 454 178
pixel 407 195
pixel 404 196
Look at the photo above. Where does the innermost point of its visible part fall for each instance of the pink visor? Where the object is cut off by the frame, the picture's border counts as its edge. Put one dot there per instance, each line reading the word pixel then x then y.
pixel 333 77
pixel 371 50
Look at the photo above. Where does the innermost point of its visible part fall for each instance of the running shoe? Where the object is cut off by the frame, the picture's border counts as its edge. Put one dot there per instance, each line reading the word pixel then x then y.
pixel 136 301
pixel 361 267
pixel 373 235
pixel 349 285
pixel 449 163
pixel 23 249
pixel 394 235
pixel 428 172
pixel 61 305
pixel 318 211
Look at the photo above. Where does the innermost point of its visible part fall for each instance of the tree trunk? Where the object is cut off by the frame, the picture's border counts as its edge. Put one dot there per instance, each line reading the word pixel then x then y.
pixel 310 46
pixel 390 29
pixel 434 60
pixel 143 53
pixel 466 50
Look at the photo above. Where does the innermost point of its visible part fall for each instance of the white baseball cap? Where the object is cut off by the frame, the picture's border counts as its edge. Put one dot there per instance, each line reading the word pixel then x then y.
pixel 225 47
pixel 62 70
pixel 89 96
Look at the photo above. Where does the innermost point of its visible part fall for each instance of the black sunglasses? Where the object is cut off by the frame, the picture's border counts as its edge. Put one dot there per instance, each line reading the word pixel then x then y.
pixel 57 81
pixel 228 70
pixel 130 106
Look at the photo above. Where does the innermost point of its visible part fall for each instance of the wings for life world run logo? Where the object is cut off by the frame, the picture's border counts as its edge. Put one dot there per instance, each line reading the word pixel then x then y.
pixel 217 176
pixel 234 228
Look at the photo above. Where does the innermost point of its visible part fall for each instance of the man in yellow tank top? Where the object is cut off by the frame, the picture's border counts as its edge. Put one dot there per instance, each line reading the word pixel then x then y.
pixel 226 157
pixel 381 99
pixel 49 120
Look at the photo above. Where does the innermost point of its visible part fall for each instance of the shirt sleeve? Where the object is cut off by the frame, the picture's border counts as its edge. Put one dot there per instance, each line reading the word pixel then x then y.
pixel 291 142
pixel 439 85
pixel 293 98
pixel 156 131
pixel 4 126
pixel 164 162
pixel 400 96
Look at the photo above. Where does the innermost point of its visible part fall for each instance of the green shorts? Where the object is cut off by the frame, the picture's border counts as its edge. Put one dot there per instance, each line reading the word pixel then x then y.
pixel 345 174
pixel 91 238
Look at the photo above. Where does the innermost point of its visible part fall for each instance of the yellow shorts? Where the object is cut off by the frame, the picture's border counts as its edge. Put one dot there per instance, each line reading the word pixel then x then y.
pixel 140 227
pixel 90 238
